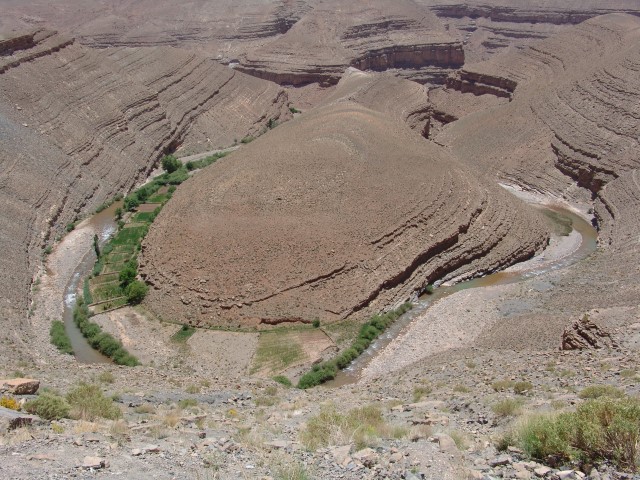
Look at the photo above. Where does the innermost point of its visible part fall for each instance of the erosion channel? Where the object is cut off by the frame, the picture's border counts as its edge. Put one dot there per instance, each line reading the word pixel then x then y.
pixel 573 246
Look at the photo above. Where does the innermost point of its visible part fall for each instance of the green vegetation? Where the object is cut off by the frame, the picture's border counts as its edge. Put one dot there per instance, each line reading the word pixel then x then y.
pixel 597 391
pixel 247 139
pixel 136 291
pixel 362 426
pixel 10 403
pixel 282 380
pixel 316 323
pixel 602 429
pixel 294 110
pixel 276 351
pixel 184 334
pixel 508 407
pixel 59 337
pixel 87 402
pixel 420 392
pixel 205 162
pixel 170 163
pixel 49 406
pixel 371 330
pixel 522 387
pixel 101 341
pixel 502 385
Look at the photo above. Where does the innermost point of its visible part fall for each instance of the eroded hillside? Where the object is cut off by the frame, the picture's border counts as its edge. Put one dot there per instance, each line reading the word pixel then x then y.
pixel 358 213
pixel 79 125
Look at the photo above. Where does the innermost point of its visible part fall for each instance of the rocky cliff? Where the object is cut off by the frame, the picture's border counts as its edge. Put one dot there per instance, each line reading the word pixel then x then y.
pixel 79 125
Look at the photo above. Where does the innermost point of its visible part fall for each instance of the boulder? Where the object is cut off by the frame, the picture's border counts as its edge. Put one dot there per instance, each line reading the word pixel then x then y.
pixel 11 419
pixel 20 386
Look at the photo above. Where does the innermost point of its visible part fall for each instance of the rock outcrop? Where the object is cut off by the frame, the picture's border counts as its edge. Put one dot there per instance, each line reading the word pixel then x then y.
pixel 584 333
pixel 78 125
pixel 342 211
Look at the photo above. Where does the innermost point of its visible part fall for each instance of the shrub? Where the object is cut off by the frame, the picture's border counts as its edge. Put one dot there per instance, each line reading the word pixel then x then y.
pixel 597 391
pixel 522 387
pixel 294 110
pixel 127 275
pixel 603 429
pixel 247 139
pixel 502 385
pixel 184 334
pixel 106 377
pixel 136 291
pixel 187 402
pixel 48 406
pixel 316 323
pixel 420 392
pixel 87 402
pixel 170 163
pixel 362 426
pixel 368 332
pixel 508 407
pixel 59 337
pixel 10 403
pixel 282 380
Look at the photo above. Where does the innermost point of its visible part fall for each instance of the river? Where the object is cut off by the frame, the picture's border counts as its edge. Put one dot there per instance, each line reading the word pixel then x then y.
pixel 518 273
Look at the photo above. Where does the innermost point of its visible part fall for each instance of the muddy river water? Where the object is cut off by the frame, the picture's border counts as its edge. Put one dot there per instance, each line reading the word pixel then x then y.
pixel 587 244
pixel 104 225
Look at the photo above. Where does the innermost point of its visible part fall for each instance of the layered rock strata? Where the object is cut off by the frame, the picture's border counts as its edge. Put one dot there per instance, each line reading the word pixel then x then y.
pixel 343 211
pixel 78 125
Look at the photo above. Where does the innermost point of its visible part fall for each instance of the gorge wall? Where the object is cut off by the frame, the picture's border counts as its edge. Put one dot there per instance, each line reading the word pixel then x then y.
pixel 78 125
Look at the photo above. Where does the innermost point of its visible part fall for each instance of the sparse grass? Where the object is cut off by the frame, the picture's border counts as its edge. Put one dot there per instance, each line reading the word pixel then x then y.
pixel 172 417
pixel 509 407
pixel 502 385
pixel 187 403
pixel 470 364
pixel 266 401
pixel 282 380
pixel 184 334
pixel 119 430
pixel 461 389
pixel 193 389
pixel 460 439
pixel 89 403
pixel 628 373
pixel 597 391
pixel 106 377
pixel 420 392
pixel 521 388
pixel 276 351
pixel 362 426
pixel 145 408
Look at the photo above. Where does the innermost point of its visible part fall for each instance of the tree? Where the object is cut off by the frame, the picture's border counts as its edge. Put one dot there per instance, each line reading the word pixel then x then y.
pixel 96 245
pixel 170 163
pixel 136 291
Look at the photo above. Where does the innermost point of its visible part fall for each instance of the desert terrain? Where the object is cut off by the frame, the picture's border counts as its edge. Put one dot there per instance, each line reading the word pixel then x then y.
pixel 332 162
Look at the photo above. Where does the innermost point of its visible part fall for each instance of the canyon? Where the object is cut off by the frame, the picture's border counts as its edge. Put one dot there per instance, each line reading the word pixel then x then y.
pixel 380 151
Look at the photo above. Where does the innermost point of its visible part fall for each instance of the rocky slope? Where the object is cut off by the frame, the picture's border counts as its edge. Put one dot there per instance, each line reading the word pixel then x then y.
pixel 358 212
pixel 79 125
